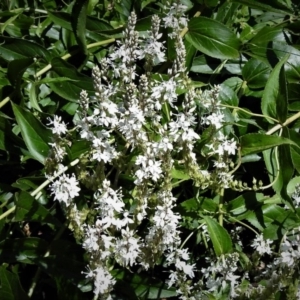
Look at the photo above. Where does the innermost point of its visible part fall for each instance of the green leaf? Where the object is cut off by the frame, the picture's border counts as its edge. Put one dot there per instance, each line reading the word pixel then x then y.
pixel 28 209
pixel 228 96
pixel 14 48
pixel 274 101
pixel 270 44
pixel 227 13
pixel 11 288
pixel 93 25
pixel 213 38
pixel 16 69
pixel 62 19
pixel 69 90
pixel 235 83
pixel 205 65
pixel 286 169
pixel 33 97
pixel 22 250
pixel 9 21
pixel 219 236
pixel 295 152
pixel 79 16
pixel 272 5
pixel 243 203
pixel 146 287
pixel 256 142
pixel 35 135
pixel 256 73
pixel 292 69
pixel 199 204
pixel 292 185
pixel 179 174
pixel 124 8
pixel 190 53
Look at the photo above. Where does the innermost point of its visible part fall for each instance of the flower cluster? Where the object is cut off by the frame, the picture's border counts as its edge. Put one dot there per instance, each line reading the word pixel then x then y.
pixel 140 126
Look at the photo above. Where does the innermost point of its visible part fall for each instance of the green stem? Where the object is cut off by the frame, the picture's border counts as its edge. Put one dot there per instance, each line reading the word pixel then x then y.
pixel 249 113
pixel 49 66
pixel 68 55
pixel 221 203
pixel 287 122
pixel 190 235
pixel 36 10
pixel 242 223
pixel 44 184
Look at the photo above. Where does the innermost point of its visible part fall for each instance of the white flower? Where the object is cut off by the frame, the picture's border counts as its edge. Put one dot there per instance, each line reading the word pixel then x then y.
pixel 150 169
pixel 91 239
pixel 65 188
pixel 261 245
pixel 59 127
pixel 127 248
pixel 165 90
pixel 103 281
pixel 215 119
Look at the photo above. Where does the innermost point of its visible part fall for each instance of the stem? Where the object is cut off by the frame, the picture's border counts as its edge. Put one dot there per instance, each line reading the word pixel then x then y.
pixel 36 10
pixel 239 162
pixel 221 202
pixel 63 170
pixel 49 66
pixel 185 29
pixel 8 212
pixel 68 55
pixel 44 184
pixel 250 113
pixel 190 235
pixel 287 122
pixel 244 224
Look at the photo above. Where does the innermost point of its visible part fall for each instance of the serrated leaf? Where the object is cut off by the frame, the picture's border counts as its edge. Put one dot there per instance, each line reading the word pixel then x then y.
pixel 213 38
pixel 219 236
pixel 35 135
pixel 11 288
pixel 256 142
pixel 274 100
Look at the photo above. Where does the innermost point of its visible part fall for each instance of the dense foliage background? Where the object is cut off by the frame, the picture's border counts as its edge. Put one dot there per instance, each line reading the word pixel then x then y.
pixel 48 49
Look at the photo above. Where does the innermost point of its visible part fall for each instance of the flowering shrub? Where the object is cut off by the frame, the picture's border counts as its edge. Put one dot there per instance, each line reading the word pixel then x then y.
pixel 174 165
